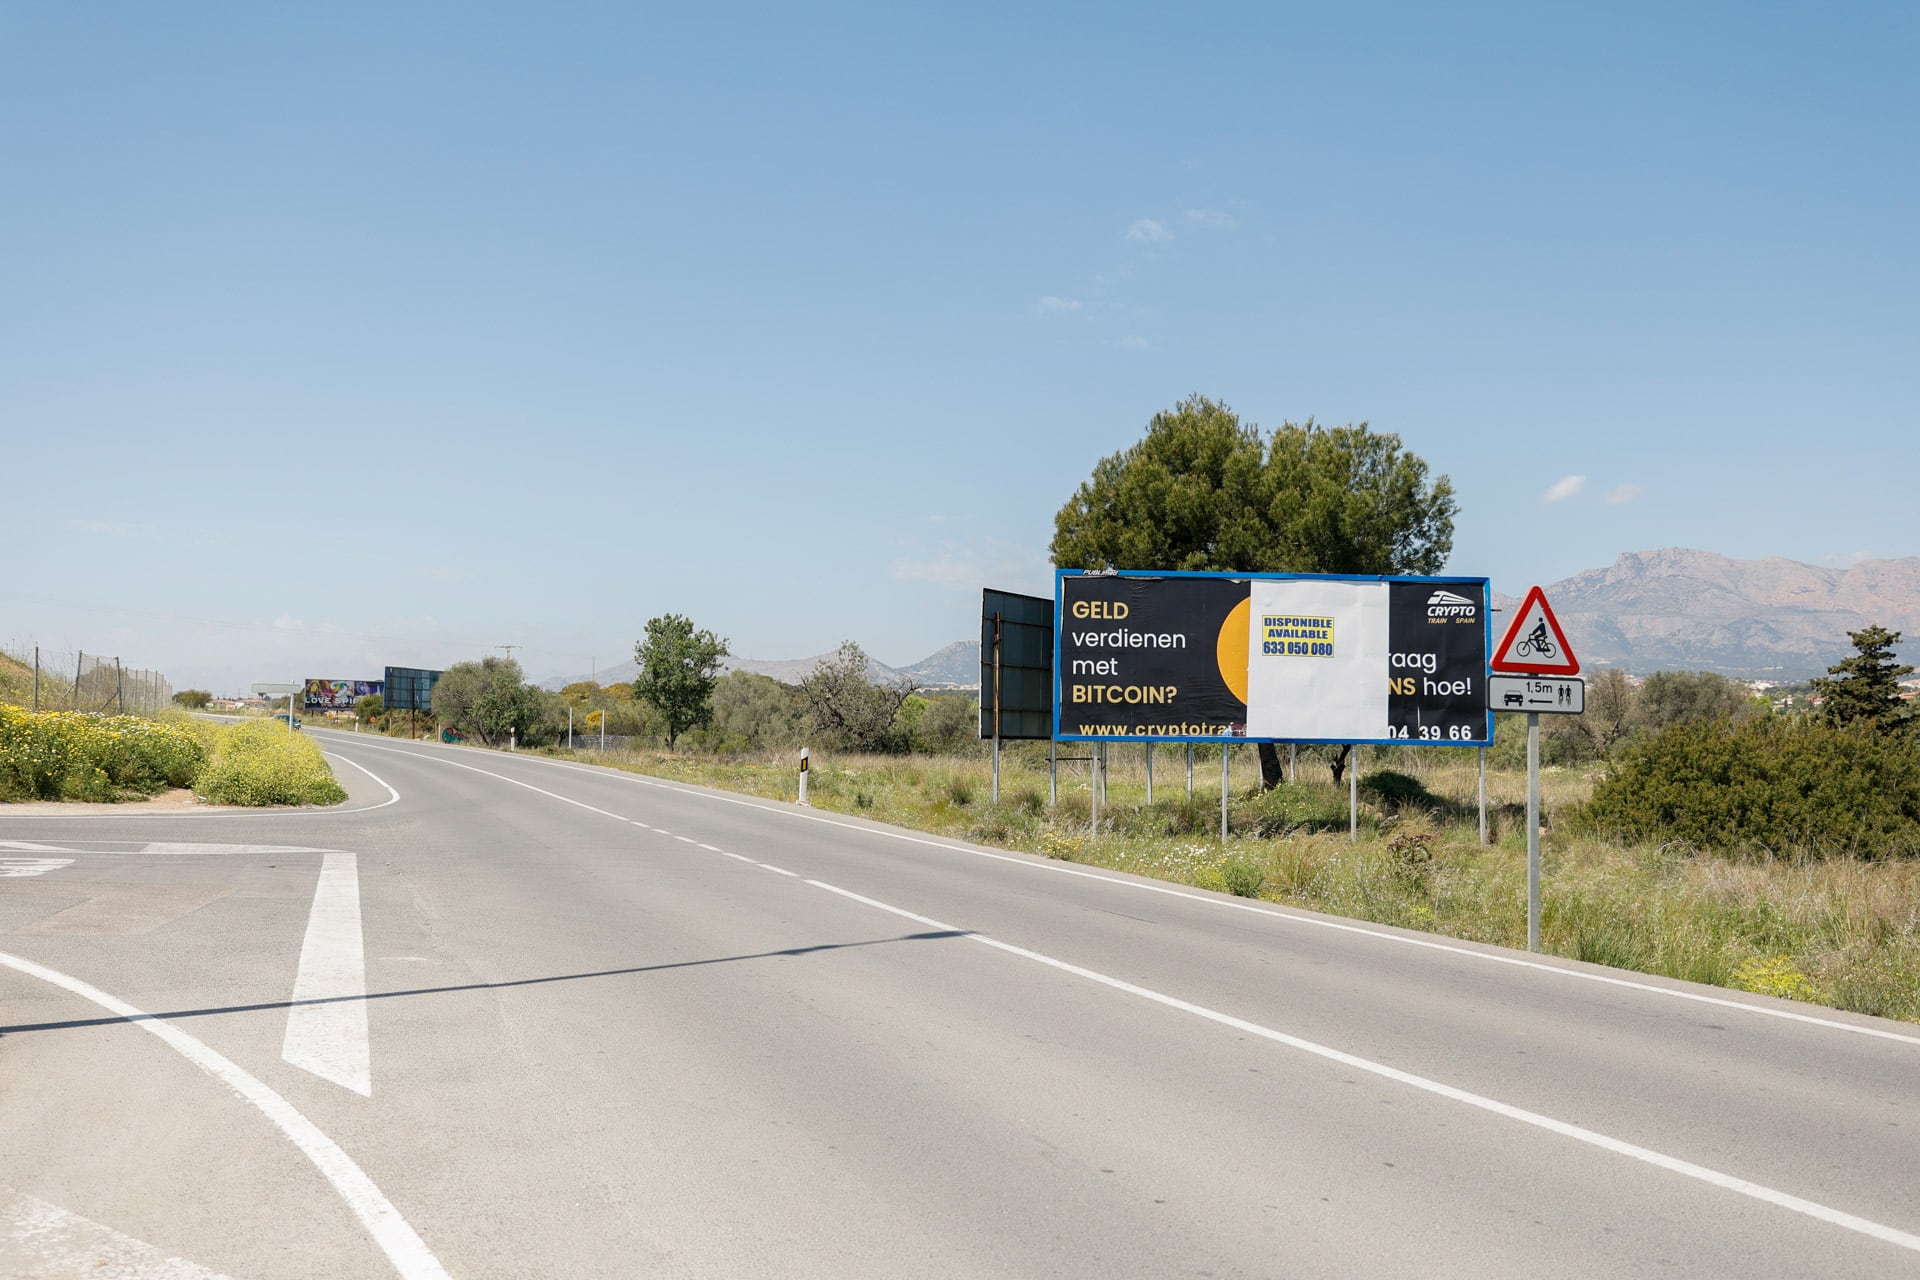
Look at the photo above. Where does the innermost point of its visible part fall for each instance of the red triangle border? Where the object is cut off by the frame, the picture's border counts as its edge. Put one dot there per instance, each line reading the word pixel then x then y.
pixel 1567 666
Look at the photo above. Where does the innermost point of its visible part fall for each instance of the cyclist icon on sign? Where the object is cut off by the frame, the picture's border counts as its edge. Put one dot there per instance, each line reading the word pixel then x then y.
pixel 1536 641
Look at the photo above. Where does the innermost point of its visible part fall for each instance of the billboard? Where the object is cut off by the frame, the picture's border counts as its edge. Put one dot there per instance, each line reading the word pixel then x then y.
pixel 410 688
pixel 1021 690
pixel 337 695
pixel 1271 658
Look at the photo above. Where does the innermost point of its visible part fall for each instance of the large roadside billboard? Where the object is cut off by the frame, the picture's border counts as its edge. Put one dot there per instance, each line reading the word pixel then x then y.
pixel 1186 657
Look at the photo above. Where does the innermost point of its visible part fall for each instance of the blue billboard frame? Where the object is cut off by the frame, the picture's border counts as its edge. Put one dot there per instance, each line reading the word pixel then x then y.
pixel 1060 576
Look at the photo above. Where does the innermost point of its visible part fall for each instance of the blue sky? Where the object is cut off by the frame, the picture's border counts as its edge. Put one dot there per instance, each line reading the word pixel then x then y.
pixel 352 335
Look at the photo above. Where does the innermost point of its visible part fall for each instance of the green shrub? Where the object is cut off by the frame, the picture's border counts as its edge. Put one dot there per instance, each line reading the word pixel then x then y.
pixel 1390 789
pixel 1243 877
pixel 1767 786
pixel 260 763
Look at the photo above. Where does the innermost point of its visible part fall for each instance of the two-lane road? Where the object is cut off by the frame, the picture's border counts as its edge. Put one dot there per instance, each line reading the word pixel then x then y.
pixel 503 1016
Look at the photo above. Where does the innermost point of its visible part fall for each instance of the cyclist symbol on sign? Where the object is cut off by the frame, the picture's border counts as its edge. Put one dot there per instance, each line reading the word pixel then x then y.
pixel 1536 641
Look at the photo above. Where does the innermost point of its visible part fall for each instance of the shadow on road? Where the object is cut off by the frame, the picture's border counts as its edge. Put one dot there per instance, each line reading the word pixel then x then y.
pixel 77 1023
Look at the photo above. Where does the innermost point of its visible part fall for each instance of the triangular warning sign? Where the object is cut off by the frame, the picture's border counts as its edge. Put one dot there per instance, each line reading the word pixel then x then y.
pixel 1534 644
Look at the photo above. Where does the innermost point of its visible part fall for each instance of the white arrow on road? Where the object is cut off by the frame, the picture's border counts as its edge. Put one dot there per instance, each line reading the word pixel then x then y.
pixel 327 1024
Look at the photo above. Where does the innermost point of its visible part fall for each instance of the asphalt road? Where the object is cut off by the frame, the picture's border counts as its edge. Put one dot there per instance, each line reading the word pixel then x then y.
pixel 503 1017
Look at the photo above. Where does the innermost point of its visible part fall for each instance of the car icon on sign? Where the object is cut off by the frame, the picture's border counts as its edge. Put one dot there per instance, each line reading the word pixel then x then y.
pixel 1514 700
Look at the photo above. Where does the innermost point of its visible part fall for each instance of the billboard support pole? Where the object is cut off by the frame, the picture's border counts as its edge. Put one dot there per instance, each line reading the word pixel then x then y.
pixel 569 726
pixel 1093 779
pixel 1353 796
pixel 1149 773
pixel 1483 797
pixel 1053 772
pixel 1293 763
pixel 996 706
pixel 1189 773
pixel 1223 793
pixel 1533 830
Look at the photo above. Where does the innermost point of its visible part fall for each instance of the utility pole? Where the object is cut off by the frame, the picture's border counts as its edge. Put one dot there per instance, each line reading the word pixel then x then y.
pixel 510 648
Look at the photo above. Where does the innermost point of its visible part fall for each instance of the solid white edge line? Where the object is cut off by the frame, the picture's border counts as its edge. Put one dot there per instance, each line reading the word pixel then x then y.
pixel 1035 863
pixel 1672 1164
pixel 393 796
pixel 403 1246
pixel 327 1017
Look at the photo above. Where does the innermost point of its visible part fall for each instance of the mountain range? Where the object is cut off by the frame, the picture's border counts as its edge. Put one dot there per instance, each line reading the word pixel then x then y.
pixel 1678 609
pixel 1669 610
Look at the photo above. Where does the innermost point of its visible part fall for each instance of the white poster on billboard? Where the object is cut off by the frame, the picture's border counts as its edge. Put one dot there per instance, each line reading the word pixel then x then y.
pixel 1316 654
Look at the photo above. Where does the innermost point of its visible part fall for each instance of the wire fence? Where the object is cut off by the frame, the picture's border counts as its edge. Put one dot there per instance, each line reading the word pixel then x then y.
pixel 75 680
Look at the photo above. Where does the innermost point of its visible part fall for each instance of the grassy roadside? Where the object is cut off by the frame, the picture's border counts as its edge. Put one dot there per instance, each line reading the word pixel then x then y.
pixel 1842 933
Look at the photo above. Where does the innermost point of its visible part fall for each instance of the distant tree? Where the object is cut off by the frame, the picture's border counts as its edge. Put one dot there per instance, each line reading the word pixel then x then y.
pixel 678 669
pixel 1685 697
pixel 1613 713
pixel 1864 691
pixel 196 699
pixel 847 707
pixel 753 713
pixel 1202 491
pixel 491 701
pixel 581 691
pixel 948 723
pixel 370 708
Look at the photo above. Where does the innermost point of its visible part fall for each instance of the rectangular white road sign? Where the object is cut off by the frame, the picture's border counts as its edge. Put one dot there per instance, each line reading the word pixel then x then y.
pixel 1549 695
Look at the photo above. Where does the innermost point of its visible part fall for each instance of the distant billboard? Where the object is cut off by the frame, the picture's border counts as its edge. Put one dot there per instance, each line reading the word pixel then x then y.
pixel 338 695
pixel 1271 657
pixel 410 688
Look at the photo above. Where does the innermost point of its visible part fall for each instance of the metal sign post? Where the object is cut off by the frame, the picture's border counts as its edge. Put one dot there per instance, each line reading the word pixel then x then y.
pixel 1539 670
pixel 1533 830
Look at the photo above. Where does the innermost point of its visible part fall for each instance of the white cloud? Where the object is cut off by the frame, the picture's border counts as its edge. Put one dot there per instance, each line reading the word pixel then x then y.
pixel 1133 342
pixel 1215 219
pixel 1148 231
pixel 1623 494
pixel 1564 488
pixel 1050 304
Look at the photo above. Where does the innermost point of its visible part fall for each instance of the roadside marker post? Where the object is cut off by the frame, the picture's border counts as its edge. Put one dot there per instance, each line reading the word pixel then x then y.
pixel 1535 646
pixel 803 775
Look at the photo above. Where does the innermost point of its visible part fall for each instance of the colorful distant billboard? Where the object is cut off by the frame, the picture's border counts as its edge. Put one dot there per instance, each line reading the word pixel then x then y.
pixel 338 695
pixel 1271 657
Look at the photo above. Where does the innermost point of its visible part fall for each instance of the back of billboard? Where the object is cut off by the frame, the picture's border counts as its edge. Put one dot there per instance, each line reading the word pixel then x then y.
pixel 1272 658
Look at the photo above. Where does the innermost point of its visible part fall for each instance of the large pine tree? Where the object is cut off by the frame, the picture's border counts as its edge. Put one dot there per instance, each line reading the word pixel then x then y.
pixel 1864 690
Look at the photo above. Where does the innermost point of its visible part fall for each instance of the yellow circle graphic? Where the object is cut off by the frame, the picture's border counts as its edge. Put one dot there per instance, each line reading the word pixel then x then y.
pixel 1233 648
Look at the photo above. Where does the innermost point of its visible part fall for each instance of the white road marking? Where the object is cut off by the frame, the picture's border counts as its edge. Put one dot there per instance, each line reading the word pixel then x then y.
pixel 408 1253
pixel 329 1038
pixel 1700 1173
pixel 686 840
pixel 1034 863
pixel 19 868
pixel 143 848
pixel 45 1241
pixel 779 871
pixel 393 797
